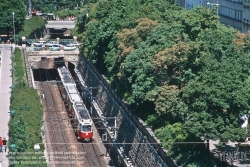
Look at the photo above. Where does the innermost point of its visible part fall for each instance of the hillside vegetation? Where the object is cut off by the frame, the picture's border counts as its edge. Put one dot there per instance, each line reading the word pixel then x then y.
pixel 182 71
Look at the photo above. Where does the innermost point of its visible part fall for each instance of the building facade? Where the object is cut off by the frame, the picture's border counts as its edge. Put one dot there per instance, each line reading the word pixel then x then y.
pixel 235 13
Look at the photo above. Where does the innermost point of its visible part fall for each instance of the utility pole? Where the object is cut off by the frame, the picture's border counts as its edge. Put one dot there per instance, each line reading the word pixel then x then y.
pixel 30 7
pixel 14 28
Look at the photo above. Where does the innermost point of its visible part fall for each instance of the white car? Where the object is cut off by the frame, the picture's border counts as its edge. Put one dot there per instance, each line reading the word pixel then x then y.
pixel 69 47
pixel 55 47
pixel 39 43
pixel 50 43
pixel 76 44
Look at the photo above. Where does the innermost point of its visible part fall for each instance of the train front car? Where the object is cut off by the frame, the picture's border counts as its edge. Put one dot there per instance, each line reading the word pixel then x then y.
pixel 80 118
pixel 84 129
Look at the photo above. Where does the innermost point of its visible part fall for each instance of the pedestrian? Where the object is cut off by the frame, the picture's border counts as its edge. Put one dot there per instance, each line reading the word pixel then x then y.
pixel 1 145
pixel 4 145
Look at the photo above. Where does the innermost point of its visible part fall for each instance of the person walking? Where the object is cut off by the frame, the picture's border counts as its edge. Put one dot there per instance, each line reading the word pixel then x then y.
pixel 1 145
pixel 4 148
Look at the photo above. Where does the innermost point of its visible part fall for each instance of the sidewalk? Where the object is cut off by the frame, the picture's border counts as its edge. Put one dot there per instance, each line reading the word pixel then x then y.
pixel 5 83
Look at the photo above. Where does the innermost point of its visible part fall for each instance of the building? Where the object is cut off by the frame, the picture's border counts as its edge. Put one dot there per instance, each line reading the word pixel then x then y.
pixel 235 13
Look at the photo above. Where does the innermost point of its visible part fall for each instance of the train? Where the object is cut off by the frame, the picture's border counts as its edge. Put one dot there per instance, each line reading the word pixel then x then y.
pixel 78 112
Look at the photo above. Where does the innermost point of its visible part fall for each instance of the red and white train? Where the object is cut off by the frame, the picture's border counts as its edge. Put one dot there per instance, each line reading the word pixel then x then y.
pixel 81 119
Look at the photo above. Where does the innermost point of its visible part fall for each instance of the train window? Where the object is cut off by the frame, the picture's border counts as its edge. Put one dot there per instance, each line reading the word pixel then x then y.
pixel 86 128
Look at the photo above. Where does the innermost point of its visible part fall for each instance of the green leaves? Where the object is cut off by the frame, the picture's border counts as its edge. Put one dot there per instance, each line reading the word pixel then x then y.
pixel 6 18
pixel 170 134
pixel 182 70
pixel 32 26
pixel 19 134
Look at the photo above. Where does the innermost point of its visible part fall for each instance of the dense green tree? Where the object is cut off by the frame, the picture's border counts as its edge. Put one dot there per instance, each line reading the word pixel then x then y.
pixel 6 18
pixel 32 27
pixel 19 134
pixel 182 71
pixel 47 6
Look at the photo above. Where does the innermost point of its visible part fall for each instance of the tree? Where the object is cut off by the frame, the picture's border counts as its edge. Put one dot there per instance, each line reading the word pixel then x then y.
pixel 6 17
pixel 19 134
pixel 55 5
pixel 177 67
pixel 32 26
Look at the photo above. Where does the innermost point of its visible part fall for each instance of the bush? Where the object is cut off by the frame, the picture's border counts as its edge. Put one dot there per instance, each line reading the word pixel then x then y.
pixel 25 125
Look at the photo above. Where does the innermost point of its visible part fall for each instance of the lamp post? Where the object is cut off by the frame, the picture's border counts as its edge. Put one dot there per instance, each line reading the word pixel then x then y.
pixel 12 69
pixel 214 4
pixel 14 28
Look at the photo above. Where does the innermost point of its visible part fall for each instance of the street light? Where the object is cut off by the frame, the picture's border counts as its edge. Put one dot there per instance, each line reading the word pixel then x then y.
pixel 214 4
pixel 14 29
pixel 12 67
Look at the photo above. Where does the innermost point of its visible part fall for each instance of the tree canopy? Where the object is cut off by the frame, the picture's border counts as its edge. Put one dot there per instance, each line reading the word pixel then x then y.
pixel 6 18
pixel 182 71
pixel 47 6
pixel 32 26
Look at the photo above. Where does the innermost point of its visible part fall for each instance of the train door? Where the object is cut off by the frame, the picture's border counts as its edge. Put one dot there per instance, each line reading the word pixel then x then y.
pixel 79 131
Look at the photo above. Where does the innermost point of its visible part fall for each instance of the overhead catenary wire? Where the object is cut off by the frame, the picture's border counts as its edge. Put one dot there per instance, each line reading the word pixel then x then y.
pixel 142 143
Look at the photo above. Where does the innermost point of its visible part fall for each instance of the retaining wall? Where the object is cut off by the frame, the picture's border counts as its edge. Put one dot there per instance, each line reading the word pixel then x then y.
pixel 131 130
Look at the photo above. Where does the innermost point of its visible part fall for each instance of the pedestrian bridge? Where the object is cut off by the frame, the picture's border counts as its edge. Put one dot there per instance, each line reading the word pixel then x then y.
pixel 60 25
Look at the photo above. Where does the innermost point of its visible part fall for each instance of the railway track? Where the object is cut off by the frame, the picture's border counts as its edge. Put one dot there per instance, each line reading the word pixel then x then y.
pixel 69 151
pixel 92 156
pixel 53 123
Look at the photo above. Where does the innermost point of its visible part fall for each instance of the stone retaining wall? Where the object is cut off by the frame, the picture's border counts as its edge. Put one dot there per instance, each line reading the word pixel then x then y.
pixel 133 134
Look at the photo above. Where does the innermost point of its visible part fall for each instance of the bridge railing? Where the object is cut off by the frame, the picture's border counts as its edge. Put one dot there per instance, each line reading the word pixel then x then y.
pixel 36 40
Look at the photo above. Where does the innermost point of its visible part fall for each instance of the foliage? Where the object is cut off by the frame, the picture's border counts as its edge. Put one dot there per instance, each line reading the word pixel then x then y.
pixel 32 26
pixel 19 70
pixel 19 134
pixel 6 18
pixel 182 71
pixel 49 6
pixel 170 134
pixel 25 125
pixel 65 13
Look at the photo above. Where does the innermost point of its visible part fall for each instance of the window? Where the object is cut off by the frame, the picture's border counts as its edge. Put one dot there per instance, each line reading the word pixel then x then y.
pixel 86 128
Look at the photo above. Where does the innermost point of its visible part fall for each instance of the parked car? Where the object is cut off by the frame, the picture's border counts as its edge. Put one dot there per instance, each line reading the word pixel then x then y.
pixel 39 43
pixel 55 47
pixel 38 48
pixel 26 42
pixel 76 44
pixel 64 43
pixel 69 47
pixel 50 43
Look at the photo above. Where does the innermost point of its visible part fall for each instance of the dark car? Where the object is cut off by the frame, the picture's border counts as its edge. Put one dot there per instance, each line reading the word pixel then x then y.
pixel 27 43
pixel 64 43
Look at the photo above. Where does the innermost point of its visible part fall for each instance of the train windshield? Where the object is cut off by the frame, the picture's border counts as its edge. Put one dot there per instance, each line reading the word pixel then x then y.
pixel 86 128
